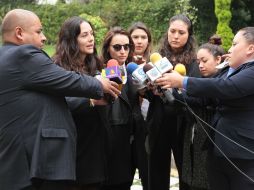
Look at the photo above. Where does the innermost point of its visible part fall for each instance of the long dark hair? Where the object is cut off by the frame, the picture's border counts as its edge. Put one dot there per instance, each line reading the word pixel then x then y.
pixel 142 26
pixel 67 49
pixel 105 56
pixel 187 54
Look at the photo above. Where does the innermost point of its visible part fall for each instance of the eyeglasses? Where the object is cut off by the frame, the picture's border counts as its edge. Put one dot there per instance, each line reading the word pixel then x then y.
pixel 118 47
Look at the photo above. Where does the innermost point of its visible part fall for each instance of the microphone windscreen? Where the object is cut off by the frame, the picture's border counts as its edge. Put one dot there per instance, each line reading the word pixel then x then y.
pixel 154 57
pixel 180 68
pixel 112 63
pixel 147 67
pixel 131 67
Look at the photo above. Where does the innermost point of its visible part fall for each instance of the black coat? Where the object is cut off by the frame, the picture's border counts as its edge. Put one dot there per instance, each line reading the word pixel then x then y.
pixel 166 131
pixel 37 132
pixel 91 137
pixel 119 165
pixel 235 110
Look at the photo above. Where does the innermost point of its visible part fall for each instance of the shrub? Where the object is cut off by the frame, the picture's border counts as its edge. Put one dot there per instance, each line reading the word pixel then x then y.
pixel 99 25
pixel 223 14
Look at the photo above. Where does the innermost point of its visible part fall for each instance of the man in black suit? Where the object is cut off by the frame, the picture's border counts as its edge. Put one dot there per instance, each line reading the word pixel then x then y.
pixel 234 91
pixel 37 133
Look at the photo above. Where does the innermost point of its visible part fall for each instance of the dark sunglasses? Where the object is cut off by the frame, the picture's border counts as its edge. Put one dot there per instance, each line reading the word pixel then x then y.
pixel 118 47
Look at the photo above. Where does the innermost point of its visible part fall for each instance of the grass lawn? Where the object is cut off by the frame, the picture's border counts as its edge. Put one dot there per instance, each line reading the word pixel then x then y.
pixel 50 49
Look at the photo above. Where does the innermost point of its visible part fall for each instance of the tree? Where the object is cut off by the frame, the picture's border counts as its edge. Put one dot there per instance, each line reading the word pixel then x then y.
pixel 223 14
pixel 206 20
pixel 242 15
pixel 14 3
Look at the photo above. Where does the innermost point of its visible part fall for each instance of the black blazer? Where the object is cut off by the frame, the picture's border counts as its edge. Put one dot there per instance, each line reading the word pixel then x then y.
pixel 37 133
pixel 235 108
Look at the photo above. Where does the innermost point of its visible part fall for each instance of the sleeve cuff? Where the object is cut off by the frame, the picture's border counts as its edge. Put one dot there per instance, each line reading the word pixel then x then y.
pixel 185 82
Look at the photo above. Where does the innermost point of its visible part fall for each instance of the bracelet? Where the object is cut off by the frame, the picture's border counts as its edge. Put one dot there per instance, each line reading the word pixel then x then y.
pixel 91 103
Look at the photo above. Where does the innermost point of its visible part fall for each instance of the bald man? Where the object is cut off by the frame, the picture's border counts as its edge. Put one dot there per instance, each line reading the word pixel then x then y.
pixel 37 133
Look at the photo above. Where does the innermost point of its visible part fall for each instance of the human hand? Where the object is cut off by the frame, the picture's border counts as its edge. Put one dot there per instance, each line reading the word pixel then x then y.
pixel 110 87
pixel 170 80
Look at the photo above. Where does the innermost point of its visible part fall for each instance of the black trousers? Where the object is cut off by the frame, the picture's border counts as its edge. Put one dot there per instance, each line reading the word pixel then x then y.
pixel 169 139
pixel 122 186
pixel 224 176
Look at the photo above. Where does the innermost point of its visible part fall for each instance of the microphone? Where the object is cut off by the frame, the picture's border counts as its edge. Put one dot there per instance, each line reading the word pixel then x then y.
pixel 162 64
pixel 180 68
pixel 113 71
pixel 222 65
pixel 138 74
pixel 153 74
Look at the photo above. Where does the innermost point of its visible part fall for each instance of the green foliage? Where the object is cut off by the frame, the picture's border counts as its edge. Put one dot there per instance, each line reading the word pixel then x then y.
pixel 206 20
pixel 104 14
pixel 185 7
pixel 99 25
pixel 242 11
pixel 223 14
pixel 154 13
pixel 53 16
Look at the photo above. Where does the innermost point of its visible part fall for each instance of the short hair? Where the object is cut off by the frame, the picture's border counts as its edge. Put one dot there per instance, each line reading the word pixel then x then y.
pixel 248 34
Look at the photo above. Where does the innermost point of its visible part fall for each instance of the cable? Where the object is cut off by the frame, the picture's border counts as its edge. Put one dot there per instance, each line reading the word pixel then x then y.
pixel 199 120
pixel 196 116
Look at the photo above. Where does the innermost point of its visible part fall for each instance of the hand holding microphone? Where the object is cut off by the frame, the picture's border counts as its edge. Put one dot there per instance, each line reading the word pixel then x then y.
pixel 174 79
pixel 155 71
pixel 111 80
pixel 225 63
pixel 109 87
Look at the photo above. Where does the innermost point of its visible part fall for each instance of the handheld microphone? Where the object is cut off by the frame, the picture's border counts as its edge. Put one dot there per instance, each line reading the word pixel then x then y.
pixel 180 68
pixel 222 65
pixel 138 75
pixel 162 64
pixel 153 74
pixel 113 71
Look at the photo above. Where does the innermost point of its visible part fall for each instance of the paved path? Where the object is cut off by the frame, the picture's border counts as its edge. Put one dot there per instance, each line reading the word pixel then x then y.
pixel 173 182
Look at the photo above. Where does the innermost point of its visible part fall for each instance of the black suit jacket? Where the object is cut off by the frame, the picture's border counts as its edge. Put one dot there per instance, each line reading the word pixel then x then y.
pixel 235 108
pixel 37 133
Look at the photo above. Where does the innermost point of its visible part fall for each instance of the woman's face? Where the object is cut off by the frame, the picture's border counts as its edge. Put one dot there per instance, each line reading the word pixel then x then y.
pixel 119 48
pixel 140 40
pixel 239 51
pixel 178 34
pixel 207 62
pixel 86 39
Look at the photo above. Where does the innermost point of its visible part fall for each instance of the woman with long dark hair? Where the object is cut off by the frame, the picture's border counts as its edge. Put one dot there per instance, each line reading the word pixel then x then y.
pixel 167 121
pixel 76 51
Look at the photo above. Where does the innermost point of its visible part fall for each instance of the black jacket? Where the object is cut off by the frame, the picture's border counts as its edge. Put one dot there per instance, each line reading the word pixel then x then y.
pixel 235 110
pixel 37 133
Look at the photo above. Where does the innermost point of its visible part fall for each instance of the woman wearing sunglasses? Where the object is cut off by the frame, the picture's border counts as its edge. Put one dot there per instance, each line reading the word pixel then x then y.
pixel 118 45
